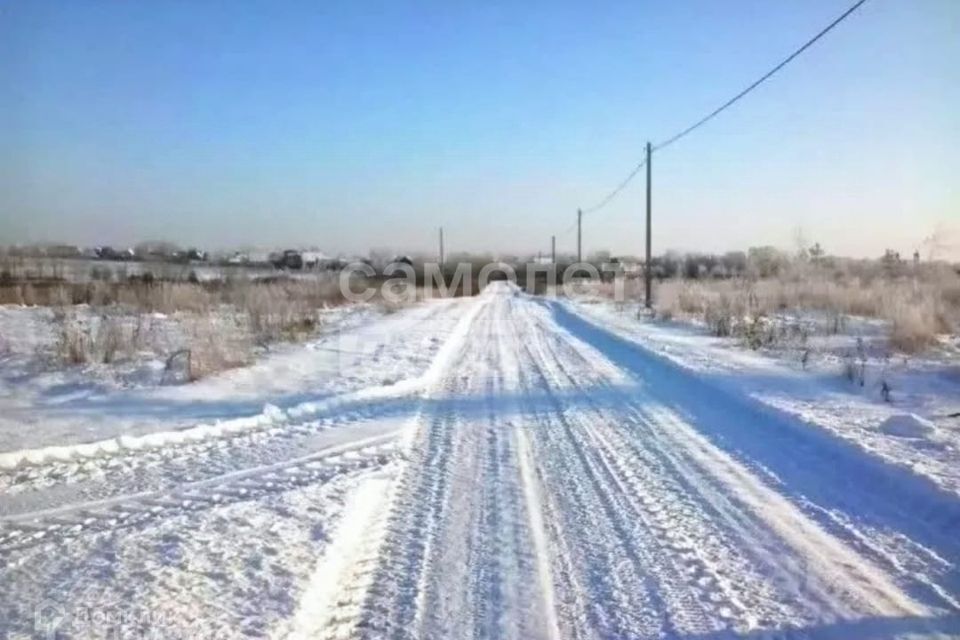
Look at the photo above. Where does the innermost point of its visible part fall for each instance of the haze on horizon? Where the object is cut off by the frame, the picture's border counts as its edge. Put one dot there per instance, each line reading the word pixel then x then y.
pixel 354 125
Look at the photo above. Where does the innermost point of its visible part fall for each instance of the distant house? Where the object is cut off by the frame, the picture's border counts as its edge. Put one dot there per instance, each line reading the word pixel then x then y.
pixel 314 260
pixel 109 253
pixel 250 258
pixel 628 266
pixel 196 255
pixel 289 259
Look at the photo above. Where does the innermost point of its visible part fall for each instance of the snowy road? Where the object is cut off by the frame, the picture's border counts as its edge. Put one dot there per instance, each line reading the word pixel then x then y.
pixel 540 477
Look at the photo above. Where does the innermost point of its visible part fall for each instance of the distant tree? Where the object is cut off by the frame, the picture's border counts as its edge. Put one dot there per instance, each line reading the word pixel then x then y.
pixel 734 263
pixel 670 264
pixel 891 262
pixel 816 253
pixel 765 262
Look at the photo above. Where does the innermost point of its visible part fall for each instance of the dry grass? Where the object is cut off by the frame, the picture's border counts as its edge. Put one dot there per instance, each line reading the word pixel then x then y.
pixel 221 323
pixel 258 313
pixel 213 347
pixel 94 340
pixel 918 308
pixel 171 296
pixel 209 344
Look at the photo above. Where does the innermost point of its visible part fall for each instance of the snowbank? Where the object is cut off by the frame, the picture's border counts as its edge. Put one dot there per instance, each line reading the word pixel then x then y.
pixel 907 425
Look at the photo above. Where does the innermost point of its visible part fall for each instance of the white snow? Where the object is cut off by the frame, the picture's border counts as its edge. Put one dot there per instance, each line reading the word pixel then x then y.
pixel 503 466
pixel 907 425
pixel 820 394
pixel 339 562
pixel 52 406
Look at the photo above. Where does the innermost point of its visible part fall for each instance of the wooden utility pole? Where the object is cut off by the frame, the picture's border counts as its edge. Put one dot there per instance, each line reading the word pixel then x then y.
pixel 648 271
pixel 441 247
pixel 579 236
pixel 553 249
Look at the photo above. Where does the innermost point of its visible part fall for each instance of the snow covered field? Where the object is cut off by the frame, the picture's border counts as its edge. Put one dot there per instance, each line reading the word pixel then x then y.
pixel 501 466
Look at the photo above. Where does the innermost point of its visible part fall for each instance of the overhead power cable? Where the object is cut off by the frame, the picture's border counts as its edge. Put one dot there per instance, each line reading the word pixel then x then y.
pixel 763 78
pixel 702 121
pixel 620 187
pixel 568 229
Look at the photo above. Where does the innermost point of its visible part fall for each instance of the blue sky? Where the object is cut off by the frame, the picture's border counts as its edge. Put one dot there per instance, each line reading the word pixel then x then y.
pixel 350 125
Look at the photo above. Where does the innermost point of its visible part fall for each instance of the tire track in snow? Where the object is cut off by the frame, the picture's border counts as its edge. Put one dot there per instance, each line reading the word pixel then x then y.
pixel 43 467
pixel 906 571
pixel 610 589
pixel 657 508
pixel 54 526
pixel 404 532
pixel 668 517
pixel 322 605
pixel 274 434
pixel 456 560
pixel 538 534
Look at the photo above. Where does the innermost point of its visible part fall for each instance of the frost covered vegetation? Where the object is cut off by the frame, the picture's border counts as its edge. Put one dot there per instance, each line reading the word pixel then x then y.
pixel 195 319
pixel 767 300
pixel 917 309
pixel 218 324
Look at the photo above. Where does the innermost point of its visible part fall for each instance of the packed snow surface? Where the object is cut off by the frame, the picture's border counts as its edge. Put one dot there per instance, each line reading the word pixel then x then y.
pixel 501 466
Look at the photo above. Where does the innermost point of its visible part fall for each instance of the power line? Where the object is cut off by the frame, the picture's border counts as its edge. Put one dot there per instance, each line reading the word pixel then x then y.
pixel 762 79
pixel 620 187
pixel 647 160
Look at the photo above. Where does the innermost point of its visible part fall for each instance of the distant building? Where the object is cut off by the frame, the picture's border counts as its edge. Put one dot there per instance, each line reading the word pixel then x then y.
pixel 289 259
pixel 196 255
pixel 628 266
pixel 250 258
pixel 314 260
pixel 109 253
pixel 63 251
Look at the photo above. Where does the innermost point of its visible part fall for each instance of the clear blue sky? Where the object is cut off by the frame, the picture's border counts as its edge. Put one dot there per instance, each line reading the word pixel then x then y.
pixel 350 125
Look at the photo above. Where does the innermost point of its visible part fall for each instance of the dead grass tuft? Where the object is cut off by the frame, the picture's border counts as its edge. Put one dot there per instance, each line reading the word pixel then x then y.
pixel 99 340
pixel 918 308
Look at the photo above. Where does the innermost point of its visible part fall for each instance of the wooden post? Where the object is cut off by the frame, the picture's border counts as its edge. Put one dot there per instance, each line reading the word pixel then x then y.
pixel 648 271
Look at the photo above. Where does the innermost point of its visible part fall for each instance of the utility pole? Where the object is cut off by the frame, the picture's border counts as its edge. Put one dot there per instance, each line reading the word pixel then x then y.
pixel 553 249
pixel 579 236
pixel 648 271
pixel 441 247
